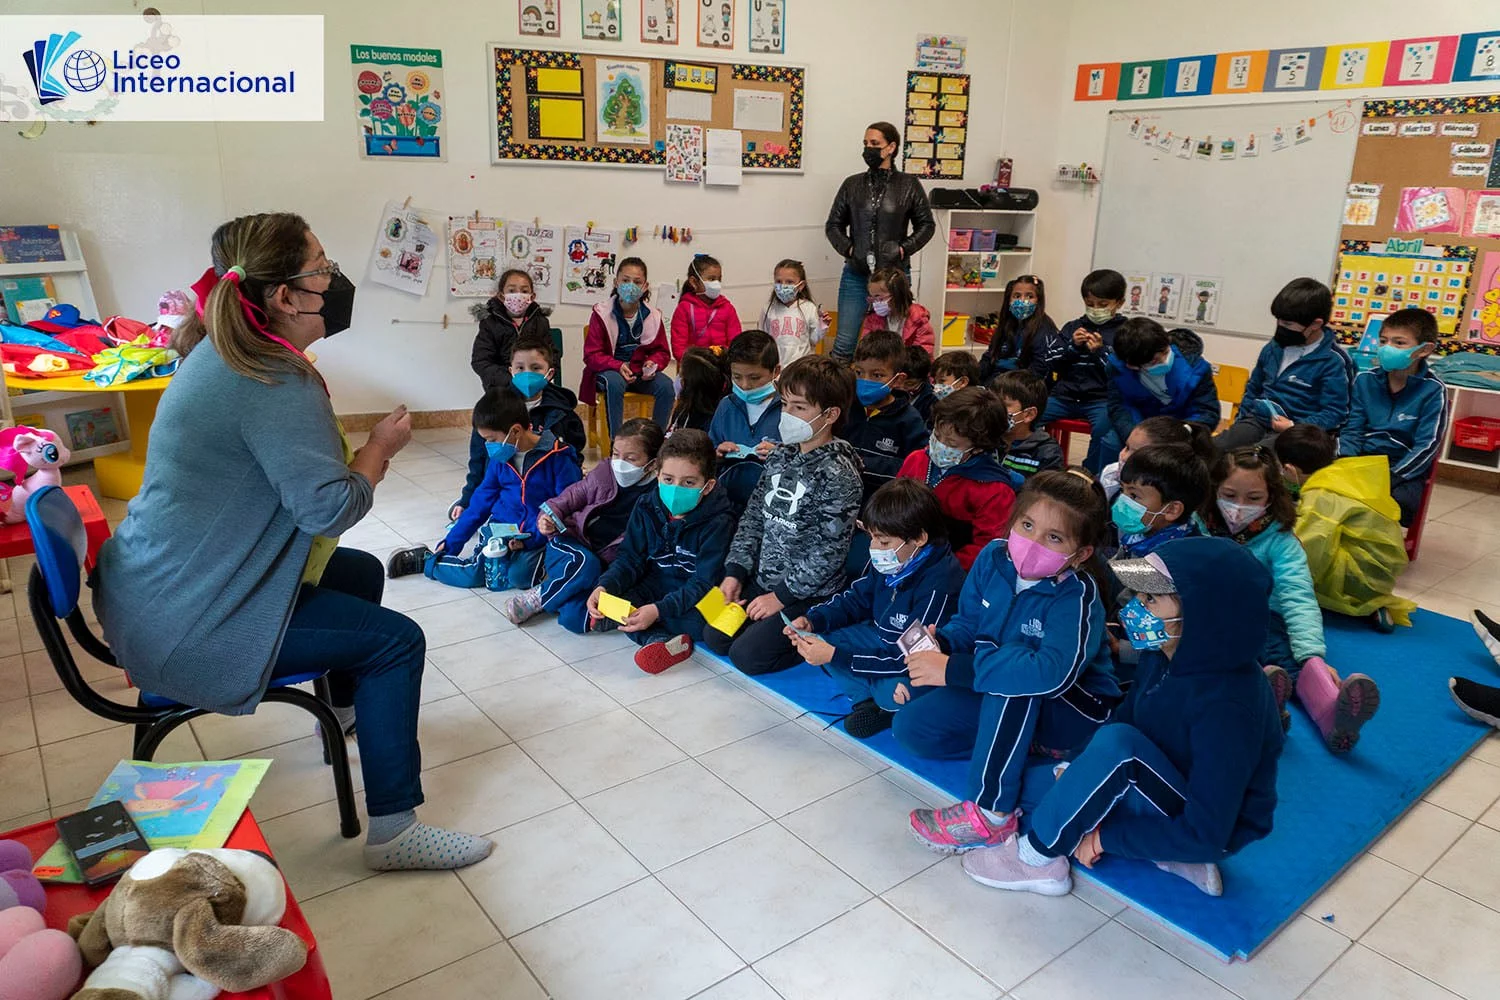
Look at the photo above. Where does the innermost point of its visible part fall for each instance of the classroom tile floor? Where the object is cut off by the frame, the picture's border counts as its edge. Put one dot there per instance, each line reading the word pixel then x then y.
pixel 685 836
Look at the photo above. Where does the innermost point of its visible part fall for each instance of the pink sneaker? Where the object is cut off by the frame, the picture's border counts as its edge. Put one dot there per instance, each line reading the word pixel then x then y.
pixel 959 828
pixel 1001 867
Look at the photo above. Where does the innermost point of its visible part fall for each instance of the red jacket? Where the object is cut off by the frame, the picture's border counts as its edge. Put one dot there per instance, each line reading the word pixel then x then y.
pixel 917 329
pixel 697 322
pixel 975 497
pixel 599 346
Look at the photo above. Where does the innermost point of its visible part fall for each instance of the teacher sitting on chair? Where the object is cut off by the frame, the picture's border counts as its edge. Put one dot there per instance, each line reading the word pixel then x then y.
pixel 879 218
pixel 227 573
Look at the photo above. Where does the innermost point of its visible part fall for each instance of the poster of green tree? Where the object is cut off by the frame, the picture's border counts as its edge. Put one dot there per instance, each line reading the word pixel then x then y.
pixel 624 108
pixel 399 101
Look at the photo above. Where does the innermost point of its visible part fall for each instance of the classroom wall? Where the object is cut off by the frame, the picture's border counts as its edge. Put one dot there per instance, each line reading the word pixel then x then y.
pixel 145 198
pixel 1103 31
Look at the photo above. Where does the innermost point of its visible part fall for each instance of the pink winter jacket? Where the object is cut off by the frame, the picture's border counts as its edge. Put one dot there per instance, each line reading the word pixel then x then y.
pixel 917 329
pixel 697 322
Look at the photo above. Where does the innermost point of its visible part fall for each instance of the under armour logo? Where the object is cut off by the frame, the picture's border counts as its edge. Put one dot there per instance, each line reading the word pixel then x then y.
pixel 791 497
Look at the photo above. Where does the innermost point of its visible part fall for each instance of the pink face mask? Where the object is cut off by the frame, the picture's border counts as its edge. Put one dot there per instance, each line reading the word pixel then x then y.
pixel 516 303
pixel 1033 560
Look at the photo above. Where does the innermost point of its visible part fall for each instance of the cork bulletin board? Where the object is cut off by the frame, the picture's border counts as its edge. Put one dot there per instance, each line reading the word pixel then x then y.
pixel 611 109
pixel 1422 217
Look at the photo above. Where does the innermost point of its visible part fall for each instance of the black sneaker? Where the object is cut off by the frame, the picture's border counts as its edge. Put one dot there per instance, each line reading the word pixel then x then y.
pixel 1488 632
pixel 867 719
pixel 406 562
pixel 1479 701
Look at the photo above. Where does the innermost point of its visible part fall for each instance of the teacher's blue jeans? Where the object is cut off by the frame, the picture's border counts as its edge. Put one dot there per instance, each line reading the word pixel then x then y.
pixel 854 293
pixel 374 659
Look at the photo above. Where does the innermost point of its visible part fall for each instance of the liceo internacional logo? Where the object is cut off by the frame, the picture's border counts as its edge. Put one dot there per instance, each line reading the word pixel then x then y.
pixel 227 67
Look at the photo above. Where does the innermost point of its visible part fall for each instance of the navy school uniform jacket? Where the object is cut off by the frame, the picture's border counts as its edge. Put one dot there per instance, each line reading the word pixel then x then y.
pixel 1190 386
pixel 731 422
pixel 883 437
pixel 1403 426
pixel 556 411
pixel 923 400
pixel 1080 376
pixel 1038 643
pixel 676 560
pixel 1209 710
pixel 515 497
pixel 1314 389
pixel 1036 452
pixel 864 622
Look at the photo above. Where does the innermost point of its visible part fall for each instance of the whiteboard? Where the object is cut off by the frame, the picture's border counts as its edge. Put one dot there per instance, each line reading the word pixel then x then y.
pixel 1255 222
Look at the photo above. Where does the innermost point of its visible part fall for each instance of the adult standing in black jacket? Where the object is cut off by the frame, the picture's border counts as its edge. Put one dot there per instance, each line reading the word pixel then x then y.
pixel 879 218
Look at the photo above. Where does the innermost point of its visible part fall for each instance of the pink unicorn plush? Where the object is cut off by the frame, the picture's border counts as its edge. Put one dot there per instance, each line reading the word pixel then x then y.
pixel 35 457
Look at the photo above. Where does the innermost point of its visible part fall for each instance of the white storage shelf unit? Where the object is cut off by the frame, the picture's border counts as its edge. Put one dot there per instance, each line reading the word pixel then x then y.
pixel 988 297
pixel 1464 401
pixel 70 277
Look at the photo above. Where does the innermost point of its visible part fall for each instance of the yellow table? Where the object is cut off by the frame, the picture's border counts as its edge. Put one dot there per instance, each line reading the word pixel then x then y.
pixel 119 474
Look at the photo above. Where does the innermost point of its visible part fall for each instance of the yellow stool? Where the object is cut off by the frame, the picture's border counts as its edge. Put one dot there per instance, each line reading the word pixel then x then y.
pixel 636 405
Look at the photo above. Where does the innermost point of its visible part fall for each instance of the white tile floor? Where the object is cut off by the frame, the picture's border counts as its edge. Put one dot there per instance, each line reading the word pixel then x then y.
pixel 687 836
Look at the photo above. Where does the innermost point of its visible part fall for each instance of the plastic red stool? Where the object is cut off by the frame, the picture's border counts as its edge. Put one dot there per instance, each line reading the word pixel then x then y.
pixel 1062 432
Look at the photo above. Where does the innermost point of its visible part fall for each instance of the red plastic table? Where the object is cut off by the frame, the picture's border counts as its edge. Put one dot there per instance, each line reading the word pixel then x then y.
pixel 15 539
pixel 63 901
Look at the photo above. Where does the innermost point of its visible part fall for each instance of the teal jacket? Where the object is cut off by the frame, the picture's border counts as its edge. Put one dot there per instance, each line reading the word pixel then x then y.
pixel 1292 595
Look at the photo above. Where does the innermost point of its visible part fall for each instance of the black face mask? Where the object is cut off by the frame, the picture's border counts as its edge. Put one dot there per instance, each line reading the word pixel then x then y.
pixel 338 305
pixel 1290 338
pixel 873 157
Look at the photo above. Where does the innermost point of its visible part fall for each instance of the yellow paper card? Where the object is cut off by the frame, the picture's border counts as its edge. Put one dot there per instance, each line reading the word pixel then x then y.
pixel 616 608
pixel 558 118
pixel 559 81
pixel 719 613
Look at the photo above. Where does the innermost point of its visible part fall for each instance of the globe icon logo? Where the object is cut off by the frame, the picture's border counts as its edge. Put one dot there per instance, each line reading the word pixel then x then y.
pixel 84 70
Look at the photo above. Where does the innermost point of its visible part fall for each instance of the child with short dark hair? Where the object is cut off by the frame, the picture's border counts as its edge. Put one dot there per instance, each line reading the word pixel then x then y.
pixel 703 385
pixel 1302 376
pixel 672 555
pixel 1185 773
pixel 1150 377
pixel 1252 506
pixel 792 318
pixel 972 488
pixel 954 370
pixel 1028 449
pixel 704 316
pixel 1162 486
pixel 914 580
pixel 918 382
pixel 1397 408
pixel 585 524
pixel 625 349
pixel 1159 430
pixel 1075 364
pixel 1024 669
pixel 524 467
pixel 893 308
pixel 747 424
pixel 1348 526
pixel 883 429
pixel 789 550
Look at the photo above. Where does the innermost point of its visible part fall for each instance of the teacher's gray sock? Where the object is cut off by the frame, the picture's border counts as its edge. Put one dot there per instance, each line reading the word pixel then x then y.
pixel 399 843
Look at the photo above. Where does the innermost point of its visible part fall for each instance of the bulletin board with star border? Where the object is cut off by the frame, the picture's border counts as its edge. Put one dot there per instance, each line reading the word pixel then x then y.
pixel 545 108
pixel 1442 155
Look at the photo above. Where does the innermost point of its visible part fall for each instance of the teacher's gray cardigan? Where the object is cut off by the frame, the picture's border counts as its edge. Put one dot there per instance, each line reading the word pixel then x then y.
pixel 195 590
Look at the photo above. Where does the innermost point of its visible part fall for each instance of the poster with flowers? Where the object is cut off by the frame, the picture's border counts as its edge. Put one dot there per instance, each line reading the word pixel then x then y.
pixel 399 100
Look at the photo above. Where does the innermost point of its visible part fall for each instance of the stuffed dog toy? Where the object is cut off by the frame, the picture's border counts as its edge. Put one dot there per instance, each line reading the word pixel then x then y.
pixel 183 925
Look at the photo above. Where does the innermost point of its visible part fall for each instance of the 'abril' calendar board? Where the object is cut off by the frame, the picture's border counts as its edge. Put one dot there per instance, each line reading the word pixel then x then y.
pixel 613 109
pixel 1374 284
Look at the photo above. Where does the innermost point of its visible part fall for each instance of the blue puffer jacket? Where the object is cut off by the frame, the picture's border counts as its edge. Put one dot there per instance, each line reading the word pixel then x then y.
pixel 1404 427
pixel 515 497
pixel 1314 389
pixel 1190 385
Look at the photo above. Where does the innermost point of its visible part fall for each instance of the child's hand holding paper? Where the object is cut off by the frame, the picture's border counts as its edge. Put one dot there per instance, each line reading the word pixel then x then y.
pixel 614 608
pixel 719 613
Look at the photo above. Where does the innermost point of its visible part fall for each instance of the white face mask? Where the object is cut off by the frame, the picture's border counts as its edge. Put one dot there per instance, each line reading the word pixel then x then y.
pixel 712 289
pixel 1239 516
pixel 626 473
pixel 795 430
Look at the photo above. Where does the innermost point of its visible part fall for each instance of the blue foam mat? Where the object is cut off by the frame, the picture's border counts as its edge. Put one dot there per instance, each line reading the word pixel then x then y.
pixel 1329 808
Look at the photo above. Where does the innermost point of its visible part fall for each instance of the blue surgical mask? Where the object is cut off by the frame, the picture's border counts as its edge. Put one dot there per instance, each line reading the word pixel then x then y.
pixel 1158 370
pixel 528 384
pixel 1130 515
pixel 629 292
pixel 500 451
pixel 1395 359
pixel 1145 629
pixel 754 397
pixel 679 499
pixel 787 294
pixel 887 561
pixel 870 391
pixel 1022 309
pixel 944 456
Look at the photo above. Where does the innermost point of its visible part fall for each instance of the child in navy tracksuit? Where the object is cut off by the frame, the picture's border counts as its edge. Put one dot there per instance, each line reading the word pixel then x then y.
pixel 672 556
pixel 1027 449
pixel 1162 486
pixel 747 425
pixel 914 579
pixel 1302 375
pixel 1150 377
pixel 1075 363
pixel 1024 667
pixel 524 468
pixel 1185 773
pixel 1398 407
pixel 918 381
pixel 883 428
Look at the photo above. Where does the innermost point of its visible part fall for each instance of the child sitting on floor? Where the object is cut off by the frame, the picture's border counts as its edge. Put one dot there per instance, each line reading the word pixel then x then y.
pixel 1028 450
pixel 747 425
pixel 952 371
pixel 959 463
pixel 1162 487
pixel 1024 668
pixel 883 428
pixel 1159 430
pixel 1150 376
pixel 914 580
pixel 1253 507
pixel 585 524
pixel 700 373
pixel 918 382
pixel 1348 526
pixel 789 550
pixel 1185 773
pixel 672 555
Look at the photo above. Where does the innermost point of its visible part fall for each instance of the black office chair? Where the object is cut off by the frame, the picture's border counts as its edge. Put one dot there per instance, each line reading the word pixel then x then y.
pixel 53 591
